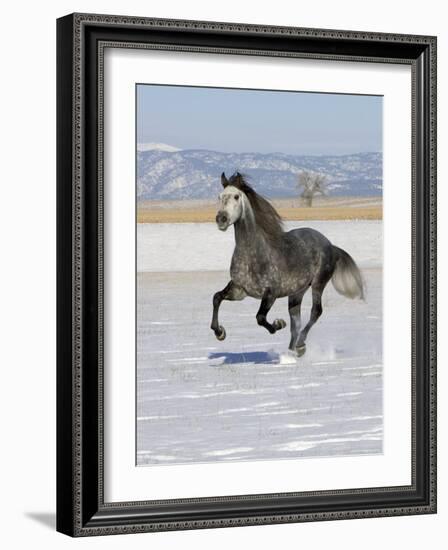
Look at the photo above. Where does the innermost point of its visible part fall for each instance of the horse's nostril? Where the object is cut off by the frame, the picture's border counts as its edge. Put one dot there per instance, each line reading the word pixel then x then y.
pixel 221 218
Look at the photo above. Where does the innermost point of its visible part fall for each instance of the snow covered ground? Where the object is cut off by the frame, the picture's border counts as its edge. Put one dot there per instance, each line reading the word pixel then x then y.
pixel 202 247
pixel 200 400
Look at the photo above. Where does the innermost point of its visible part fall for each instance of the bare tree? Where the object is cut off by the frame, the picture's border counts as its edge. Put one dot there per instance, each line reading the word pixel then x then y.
pixel 311 184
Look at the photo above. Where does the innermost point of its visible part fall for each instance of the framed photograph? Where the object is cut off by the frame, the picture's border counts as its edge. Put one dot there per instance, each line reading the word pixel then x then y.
pixel 246 274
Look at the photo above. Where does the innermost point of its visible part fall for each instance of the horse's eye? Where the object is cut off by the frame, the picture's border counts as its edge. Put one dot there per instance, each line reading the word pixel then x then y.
pixel 237 197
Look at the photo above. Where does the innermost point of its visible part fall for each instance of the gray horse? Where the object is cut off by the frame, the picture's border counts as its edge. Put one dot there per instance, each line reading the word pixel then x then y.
pixel 269 263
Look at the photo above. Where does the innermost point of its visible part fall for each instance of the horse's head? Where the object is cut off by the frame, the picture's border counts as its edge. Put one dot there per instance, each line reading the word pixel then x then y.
pixel 231 205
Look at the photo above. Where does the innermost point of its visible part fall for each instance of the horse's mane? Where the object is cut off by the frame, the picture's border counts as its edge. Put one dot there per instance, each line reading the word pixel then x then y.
pixel 266 217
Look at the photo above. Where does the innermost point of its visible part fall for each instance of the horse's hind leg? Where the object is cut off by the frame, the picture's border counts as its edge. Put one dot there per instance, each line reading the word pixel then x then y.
pixel 230 292
pixel 266 303
pixel 294 307
pixel 316 312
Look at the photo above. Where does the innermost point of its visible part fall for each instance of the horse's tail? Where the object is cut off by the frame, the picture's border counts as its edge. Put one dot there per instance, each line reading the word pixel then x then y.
pixel 347 279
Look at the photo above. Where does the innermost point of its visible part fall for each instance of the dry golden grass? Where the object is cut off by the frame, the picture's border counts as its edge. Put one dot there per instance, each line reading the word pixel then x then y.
pixel 195 211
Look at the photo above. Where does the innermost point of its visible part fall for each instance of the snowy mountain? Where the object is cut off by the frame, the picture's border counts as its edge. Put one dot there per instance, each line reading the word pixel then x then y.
pixel 195 174
pixel 156 147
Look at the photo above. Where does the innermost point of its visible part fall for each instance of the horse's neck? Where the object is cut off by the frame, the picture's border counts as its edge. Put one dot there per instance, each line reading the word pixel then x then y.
pixel 245 233
pixel 248 236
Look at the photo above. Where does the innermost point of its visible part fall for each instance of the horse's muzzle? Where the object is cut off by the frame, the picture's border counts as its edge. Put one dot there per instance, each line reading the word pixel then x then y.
pixel 222 221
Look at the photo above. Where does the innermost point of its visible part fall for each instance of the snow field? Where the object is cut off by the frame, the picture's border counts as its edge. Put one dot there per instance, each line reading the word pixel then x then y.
pixel 248 398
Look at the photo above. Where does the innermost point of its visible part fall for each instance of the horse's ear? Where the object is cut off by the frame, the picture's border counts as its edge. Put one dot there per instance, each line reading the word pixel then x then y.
pixel 224 180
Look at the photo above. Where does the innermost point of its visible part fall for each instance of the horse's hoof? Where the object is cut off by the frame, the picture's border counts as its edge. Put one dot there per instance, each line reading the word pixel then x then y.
pixel 279 324
pixel 220 333
pixel 300 350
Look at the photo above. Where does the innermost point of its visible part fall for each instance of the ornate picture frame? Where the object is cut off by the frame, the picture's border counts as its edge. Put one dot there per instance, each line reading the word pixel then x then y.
pixel 81 506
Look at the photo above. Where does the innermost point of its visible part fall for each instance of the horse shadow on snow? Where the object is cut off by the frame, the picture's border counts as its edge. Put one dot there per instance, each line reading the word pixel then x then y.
pixel 251 357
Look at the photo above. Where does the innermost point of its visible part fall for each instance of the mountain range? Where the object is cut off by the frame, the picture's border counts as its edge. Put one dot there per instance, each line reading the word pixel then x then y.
pixel 165 172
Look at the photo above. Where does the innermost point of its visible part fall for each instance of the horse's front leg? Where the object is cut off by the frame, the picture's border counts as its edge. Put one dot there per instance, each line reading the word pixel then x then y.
pixel 266 303
pixel 230 292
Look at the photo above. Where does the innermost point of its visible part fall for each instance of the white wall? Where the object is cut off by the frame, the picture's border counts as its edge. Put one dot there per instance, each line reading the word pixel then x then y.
pixel 28 269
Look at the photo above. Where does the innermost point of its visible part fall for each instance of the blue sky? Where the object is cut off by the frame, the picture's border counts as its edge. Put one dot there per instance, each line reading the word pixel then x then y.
pixel 230 120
